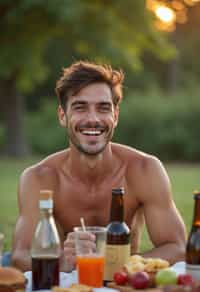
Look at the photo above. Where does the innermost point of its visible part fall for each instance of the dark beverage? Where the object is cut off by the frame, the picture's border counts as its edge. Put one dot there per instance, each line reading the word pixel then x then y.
pixel 45 273
pixel 45 251
pixel 193 243
pixel 118 237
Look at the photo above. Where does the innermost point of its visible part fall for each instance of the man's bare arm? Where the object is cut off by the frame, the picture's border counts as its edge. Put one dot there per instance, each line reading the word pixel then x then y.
pixel 21 247
pixel 164 224
pixel 171 246
pixel 28 217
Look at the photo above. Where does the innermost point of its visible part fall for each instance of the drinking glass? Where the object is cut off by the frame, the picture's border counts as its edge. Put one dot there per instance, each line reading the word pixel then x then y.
pixel 90 260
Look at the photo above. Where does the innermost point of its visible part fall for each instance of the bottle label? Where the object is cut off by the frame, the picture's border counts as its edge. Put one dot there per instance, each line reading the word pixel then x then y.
pixel 46 204
pixel 116 256
pixel 193 270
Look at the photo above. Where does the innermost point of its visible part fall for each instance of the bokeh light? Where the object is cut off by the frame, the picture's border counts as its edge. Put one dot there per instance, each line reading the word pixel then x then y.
pixel 165 14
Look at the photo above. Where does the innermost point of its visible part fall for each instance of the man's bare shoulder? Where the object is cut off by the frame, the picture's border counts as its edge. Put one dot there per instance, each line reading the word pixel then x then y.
pixel 46 169
pixel 140 166
pixel 134 158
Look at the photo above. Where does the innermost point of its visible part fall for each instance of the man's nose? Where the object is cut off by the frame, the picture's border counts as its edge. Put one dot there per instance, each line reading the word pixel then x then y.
pixel 93 116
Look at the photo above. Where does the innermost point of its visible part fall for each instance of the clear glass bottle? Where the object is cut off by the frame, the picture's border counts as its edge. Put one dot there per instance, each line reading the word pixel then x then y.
pixel 45 251
pixel 118 237
pixel 193 243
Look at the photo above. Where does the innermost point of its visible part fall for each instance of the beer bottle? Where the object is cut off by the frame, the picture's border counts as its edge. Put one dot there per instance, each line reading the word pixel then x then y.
pixel 193 243
pixel 45 251
pixel 118 237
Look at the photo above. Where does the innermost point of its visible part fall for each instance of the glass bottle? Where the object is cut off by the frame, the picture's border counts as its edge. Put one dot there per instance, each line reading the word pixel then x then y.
pixel 193 243
pixel 45 251
pixel 118 237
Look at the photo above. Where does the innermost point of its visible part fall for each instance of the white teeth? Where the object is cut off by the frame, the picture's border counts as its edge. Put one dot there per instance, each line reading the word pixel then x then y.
pixel 95 133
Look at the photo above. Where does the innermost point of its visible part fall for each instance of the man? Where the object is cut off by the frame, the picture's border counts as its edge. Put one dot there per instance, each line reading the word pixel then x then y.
pixel 83 175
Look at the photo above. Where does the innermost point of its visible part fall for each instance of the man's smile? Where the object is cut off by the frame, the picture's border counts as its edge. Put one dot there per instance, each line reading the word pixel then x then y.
pixel 91 131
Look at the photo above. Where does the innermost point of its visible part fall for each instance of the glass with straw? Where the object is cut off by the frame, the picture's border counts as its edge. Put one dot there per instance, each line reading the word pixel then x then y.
pixel 90 254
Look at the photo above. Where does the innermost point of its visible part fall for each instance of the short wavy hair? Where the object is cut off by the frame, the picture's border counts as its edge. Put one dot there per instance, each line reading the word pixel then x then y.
pixel 84 73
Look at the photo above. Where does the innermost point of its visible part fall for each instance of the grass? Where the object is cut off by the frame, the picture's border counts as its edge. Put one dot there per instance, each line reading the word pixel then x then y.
pixel 184 179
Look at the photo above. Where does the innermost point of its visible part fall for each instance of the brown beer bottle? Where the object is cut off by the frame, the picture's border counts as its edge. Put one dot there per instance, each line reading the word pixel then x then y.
pixel 45 251
pixel 193 243
pixel 118 237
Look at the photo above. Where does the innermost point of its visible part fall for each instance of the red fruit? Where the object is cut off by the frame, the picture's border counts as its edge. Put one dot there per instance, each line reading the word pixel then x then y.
pixel 185 279
pixel 120 278
pixel 139 280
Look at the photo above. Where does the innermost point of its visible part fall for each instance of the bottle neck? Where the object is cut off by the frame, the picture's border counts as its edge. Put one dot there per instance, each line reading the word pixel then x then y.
pixel 46 207
pixel 196 218
pixel 117 208
pixel 46 213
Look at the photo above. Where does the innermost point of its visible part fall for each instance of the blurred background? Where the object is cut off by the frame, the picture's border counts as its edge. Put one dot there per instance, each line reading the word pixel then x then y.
pixel 155 42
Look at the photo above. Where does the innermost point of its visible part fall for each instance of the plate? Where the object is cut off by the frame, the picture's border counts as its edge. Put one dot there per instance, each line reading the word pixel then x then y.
pixel 179 268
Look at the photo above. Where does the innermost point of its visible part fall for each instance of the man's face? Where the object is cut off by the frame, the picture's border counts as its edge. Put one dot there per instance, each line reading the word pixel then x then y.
pixel 91 118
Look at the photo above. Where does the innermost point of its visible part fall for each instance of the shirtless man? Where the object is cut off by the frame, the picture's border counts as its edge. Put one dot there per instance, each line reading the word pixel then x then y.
pixel 83 175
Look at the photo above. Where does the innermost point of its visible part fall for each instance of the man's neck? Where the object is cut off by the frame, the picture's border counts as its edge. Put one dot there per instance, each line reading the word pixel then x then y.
pixel 90 168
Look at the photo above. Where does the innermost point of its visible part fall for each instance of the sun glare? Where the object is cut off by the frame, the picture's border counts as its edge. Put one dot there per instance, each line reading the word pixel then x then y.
pixel 165 14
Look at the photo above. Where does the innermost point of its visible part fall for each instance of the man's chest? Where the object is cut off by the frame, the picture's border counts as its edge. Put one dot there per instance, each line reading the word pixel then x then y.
pixel 75 202
pixel 76 199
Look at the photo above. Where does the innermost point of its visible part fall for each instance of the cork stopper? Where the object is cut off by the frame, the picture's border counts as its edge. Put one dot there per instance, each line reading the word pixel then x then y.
pixel 46 194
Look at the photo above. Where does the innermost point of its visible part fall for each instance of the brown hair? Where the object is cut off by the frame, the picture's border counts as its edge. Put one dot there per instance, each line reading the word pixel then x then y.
pixel 81 74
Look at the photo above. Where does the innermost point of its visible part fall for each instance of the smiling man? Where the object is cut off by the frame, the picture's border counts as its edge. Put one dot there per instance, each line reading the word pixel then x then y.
pixel 83 175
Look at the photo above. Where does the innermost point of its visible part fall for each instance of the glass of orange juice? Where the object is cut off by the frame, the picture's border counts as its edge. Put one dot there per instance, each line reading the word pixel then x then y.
pixel 90 255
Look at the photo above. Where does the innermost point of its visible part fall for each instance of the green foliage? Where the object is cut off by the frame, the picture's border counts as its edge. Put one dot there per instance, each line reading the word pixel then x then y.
pixel 162 125
pixel 44 132
pixel 111 30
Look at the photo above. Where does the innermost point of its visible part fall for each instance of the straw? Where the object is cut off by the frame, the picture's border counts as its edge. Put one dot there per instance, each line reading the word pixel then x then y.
pixel 83 224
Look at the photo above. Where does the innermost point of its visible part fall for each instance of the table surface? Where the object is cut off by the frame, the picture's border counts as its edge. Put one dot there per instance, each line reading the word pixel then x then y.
pixel 66 279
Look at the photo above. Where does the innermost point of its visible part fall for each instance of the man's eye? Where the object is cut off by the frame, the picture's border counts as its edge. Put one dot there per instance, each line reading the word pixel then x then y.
pixel 105 108
pixel 79 107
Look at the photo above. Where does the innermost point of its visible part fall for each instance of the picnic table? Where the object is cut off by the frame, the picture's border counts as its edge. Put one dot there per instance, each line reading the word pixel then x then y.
pixel 66 279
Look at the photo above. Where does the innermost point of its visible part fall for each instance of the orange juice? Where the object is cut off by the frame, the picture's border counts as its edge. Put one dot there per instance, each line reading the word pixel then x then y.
pixel 90 270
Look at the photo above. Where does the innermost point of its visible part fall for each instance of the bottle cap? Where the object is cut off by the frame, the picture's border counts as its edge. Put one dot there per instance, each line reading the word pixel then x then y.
pixel 118 191
pixel 196 194
pixel 46 194
pixel 46 199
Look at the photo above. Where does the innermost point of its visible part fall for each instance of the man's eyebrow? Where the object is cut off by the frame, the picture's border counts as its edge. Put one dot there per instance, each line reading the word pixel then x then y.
pixel 79 102
pixel 105 103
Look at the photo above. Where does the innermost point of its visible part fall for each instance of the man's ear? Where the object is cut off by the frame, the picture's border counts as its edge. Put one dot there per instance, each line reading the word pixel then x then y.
pixel 116 115
pixel 62 117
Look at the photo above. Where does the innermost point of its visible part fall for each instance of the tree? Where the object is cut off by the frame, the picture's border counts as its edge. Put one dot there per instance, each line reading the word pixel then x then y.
pixel 106 30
